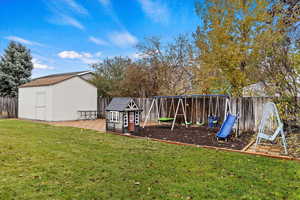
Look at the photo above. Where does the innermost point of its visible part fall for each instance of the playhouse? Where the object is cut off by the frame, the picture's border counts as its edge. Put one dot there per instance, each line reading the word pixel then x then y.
pixel 123 115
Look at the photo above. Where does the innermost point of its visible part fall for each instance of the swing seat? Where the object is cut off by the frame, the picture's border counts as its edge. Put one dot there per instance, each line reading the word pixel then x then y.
pixel 165 119
pixel 200 123
pixel 227 126
pixel 269 110
pixel 212 121
pixel 187 123
pixel 272 137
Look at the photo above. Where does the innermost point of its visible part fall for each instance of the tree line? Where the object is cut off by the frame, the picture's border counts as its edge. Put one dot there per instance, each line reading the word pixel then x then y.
pixel 237 43
pixel 161 69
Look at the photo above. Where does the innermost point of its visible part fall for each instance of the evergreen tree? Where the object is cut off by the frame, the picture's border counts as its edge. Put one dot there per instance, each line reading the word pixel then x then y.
pixel 15 69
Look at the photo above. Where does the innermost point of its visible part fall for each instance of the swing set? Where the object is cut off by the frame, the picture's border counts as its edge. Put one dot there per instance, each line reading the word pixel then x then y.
pixel 203 109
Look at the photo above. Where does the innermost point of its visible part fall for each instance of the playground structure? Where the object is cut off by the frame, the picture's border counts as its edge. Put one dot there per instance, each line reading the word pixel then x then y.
pixel 229 122
pixel 197 110
pixel 271 126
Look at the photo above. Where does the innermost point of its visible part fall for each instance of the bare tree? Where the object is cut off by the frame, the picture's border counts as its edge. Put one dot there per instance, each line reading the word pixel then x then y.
pixel 170 64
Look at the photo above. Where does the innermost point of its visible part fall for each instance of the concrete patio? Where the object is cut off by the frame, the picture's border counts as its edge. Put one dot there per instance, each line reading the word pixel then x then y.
pixel 98 124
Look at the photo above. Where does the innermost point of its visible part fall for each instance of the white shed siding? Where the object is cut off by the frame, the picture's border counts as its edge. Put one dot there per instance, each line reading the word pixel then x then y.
pixel 30 103
pixel 72 95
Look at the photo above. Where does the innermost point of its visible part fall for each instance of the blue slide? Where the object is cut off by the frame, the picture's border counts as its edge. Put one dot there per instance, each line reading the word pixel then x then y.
pixel 227 127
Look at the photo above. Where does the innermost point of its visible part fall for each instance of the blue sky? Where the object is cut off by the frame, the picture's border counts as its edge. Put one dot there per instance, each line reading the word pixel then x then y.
pixel 68 35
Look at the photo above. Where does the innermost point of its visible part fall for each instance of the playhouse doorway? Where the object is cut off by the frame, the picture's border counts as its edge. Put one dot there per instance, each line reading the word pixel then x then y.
pixel 131 122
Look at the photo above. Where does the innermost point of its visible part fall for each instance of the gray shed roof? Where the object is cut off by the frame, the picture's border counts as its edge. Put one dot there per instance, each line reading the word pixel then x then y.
pixel 120 104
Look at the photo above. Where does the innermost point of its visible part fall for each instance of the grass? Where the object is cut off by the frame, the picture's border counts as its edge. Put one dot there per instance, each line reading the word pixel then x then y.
pixel 40 161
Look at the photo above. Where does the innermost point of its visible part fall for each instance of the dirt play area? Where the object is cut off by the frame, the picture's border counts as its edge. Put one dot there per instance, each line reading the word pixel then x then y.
pixel 191 135
pixel 195 135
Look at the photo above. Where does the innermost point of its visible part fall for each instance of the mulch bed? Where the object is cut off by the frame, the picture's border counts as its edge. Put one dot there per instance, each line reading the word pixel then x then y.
pixel 195 135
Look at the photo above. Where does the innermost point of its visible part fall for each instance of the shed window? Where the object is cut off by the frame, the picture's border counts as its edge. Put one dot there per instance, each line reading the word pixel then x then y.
pixel 125 119
pixel 114 116
pixel 137 118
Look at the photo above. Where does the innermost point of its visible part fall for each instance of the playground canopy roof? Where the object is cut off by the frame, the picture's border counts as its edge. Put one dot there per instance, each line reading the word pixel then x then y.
pixel 192 95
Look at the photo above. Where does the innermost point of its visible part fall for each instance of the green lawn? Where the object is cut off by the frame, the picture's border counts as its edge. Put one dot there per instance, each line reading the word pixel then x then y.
pixel 45 162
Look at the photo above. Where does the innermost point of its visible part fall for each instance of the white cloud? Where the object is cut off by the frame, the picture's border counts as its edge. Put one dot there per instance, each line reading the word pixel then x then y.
pixel 43 58
pixel 38 65
pixel 76 7
pixel 105 2
pixel 85 57
pixel 123 39
pixel 22 40
pixel 136 56
pixel 98 54
pixel 97 41
pixel 62 19
pixel 89 60
pixel 63 12
pixel 70 54
pixel 67 20
pixel 155 10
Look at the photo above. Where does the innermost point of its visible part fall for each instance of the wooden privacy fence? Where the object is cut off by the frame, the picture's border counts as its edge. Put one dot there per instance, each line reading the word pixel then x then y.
pixel 101 106
pixel 249 109
pixel 8 107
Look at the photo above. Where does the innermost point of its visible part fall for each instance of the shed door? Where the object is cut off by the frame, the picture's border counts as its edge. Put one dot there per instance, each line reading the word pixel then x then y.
pixel 40 106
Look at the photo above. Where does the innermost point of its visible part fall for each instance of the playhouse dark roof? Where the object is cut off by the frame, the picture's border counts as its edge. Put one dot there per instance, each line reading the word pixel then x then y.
pixel 119 104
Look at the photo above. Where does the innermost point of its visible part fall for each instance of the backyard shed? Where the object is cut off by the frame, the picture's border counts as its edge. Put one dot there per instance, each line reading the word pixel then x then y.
pixel 57 97
pixel 123 115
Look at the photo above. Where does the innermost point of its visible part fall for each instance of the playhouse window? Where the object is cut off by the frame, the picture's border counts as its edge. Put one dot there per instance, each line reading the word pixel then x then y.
pixel 125 119
pixel 137 118
pixel 114 116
